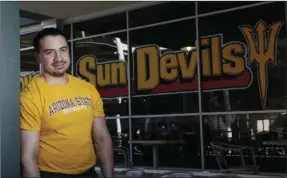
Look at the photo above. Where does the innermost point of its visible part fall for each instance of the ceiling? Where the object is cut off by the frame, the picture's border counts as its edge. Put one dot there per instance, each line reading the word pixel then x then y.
pixel 67 10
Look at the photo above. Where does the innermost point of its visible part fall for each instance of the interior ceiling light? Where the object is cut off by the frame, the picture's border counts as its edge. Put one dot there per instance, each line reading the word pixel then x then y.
pixel 188 48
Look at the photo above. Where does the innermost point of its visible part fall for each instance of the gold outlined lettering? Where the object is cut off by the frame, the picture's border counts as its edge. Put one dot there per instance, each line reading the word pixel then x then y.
pixel 168 67
pixel 110 74
pixel 261 41
pixel 85 65
pixel 147 68
pixel 119 73
pixel 220 62
pixel 104 74
pixel 216 55
pixel 187 67
pixel 234 64
pixel 206 57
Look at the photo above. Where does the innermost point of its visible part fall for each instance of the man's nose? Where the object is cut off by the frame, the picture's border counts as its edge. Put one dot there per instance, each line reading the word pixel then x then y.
pixel 57 56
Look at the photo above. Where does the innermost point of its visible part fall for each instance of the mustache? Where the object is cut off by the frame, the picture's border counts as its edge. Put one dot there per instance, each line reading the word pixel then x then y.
pixel 58 63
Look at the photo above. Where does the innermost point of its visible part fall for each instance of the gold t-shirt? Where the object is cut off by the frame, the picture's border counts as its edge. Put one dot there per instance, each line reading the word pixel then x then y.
pixel 63 114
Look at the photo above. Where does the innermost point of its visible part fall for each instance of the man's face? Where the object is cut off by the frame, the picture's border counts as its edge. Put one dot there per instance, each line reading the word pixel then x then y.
pixel 54 55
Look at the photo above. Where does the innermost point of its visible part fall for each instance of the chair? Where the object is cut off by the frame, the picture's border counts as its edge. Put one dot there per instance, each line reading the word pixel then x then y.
pixel 220 149
pixel 122 150
pixel 178 174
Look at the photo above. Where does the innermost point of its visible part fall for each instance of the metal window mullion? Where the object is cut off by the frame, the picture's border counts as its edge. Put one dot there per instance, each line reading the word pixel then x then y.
pixel 176 20
pixel 109 12
pixel 285 37
pixel 99 35
pixel 72 49
pixel 27 49
pixel 115 117
pixel 234 9
pixel 199 85
pixel 282 112
pixel 199 15
pixel 129 88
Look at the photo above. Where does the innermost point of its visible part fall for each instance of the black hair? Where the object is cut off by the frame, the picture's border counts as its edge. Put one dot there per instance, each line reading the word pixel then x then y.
pixel 43 33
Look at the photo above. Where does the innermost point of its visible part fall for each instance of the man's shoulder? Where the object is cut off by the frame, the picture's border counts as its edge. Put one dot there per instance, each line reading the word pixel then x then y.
pixel 82 83
pixel 32 86
pixel 31 89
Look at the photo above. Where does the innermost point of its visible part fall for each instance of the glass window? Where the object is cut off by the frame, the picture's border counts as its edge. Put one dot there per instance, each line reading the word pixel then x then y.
pixel 30 18
pixel 102 61
pixel 245 130
pixel 69 71
pixel 67 31
pixel 26 40
pixel 116 106
pixel 29 67
pixel 210 6
pixel 243 65
pixel 184 132
pixel 119 130
pixel 26 22
pixel 161 12
pixel 164 77
pixel 100 25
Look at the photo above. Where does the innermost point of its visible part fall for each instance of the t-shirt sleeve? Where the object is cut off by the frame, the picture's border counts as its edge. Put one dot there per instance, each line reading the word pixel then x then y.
pixel 30 112
pixel 97 103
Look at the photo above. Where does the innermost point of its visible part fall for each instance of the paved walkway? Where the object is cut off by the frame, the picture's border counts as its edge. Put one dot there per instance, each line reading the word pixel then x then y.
pixel 150 173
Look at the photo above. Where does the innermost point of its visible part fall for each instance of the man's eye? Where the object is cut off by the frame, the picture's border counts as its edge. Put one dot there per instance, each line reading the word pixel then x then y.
pixel 49 53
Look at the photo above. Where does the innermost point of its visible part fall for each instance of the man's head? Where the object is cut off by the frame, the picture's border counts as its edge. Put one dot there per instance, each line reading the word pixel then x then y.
pixel 52 51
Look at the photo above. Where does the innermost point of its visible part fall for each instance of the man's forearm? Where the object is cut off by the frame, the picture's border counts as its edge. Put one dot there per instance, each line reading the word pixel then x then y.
pixel 30 169
pixel 104 151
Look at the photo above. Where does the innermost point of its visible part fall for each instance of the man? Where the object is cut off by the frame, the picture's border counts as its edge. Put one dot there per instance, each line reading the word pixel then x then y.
pixel 62 118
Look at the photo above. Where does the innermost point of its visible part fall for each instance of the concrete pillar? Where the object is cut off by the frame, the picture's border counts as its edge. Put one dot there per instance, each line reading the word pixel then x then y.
pixel 10 89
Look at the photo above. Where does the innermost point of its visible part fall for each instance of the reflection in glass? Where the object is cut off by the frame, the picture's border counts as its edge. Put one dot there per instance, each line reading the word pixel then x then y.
pixel 116 106
pixel 163 11
pixel 26 40
pixel 102 61
pixel 100 25
pixel 247 130
pixel 119 131
pixel 67 31
pixel 169 129
pixel 209 6
pixel 165 104
pixel 29 67
pixel 164 78
pixel 30 18
pixel 28 61
pixel 164 81
pixel 236 75
pixel 26 21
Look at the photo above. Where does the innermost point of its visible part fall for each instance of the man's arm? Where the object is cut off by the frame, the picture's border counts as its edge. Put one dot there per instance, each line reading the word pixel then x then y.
pixel 29 150
pixel 31 111
pixel 103 146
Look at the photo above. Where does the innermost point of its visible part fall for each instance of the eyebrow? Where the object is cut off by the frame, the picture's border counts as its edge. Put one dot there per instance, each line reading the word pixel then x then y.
pixel 64 47
pixel 47 50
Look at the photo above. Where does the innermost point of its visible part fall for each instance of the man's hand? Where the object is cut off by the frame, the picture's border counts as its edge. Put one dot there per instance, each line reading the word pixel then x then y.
pixel 103 146
pixel 29 150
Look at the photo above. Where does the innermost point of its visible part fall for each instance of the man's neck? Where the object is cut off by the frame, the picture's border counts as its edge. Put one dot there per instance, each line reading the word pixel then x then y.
pixel 59 80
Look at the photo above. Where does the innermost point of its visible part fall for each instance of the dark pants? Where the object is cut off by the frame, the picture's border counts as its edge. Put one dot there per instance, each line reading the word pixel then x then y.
pixel 91 173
